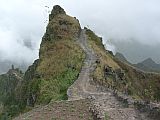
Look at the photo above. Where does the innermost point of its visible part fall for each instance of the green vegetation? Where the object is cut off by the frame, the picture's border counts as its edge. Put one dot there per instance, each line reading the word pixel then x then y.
pixel 59 68
pixel 59 64
pixel 105 58
pixel 60 61
pixel 106 116
pixel 141 85
pixel 55 89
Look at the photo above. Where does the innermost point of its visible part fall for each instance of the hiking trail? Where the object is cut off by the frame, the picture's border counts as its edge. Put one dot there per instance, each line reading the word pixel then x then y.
pixel 107 104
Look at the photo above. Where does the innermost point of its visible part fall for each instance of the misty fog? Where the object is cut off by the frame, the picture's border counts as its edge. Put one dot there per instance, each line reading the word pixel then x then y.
pixel 128 26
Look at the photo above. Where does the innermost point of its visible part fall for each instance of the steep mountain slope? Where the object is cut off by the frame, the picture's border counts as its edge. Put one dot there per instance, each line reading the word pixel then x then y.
pixel 121 57
pixel 60 58
pixel 59 63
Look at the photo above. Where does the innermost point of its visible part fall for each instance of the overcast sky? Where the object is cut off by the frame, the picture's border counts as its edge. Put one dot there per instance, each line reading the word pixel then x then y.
pixel 129 26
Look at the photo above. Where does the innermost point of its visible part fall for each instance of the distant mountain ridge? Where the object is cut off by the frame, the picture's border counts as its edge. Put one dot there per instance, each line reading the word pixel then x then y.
pixel 5 65
pixel 10 84
pixel 121 57
pixel 148 65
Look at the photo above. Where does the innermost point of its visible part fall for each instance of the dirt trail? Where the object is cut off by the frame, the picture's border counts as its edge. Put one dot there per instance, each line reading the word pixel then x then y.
pixel 107 104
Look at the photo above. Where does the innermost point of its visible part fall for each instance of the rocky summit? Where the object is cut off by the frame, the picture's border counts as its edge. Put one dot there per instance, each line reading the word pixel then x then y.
pixel 76 78
pixel 56 11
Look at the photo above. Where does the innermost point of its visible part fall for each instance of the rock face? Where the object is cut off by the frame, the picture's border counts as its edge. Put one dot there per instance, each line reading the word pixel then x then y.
pixel 116 75
pixel 30 95
pixel 56 10
pixel 61 26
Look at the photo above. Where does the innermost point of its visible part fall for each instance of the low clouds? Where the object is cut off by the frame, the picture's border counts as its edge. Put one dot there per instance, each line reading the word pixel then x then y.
pixel 123 22
pixel 23 22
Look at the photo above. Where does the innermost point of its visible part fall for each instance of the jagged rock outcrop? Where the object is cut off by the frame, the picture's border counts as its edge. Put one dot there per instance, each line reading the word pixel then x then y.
pixel 56 10
pixel 29 93
pixel 61 26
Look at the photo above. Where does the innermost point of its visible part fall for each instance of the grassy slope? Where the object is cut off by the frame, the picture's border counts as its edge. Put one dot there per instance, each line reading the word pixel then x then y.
pixel 60 60
pixel 59 69
pixel 139 84
pixel 104 57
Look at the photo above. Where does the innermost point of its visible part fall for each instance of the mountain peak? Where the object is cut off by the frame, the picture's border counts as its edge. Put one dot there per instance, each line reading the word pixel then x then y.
pixel 148 65
pixel 121 57
pixel 149 61
pixel 56 10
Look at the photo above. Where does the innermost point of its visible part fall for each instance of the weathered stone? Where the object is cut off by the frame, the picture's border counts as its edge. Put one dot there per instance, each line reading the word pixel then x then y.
pixel 56 10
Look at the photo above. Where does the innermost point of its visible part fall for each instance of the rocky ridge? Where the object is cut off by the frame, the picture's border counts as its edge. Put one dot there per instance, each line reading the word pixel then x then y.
pixel 101 101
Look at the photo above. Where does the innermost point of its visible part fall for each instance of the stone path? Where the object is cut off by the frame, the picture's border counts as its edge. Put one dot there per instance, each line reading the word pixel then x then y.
pixel 60 110
pixel 104 104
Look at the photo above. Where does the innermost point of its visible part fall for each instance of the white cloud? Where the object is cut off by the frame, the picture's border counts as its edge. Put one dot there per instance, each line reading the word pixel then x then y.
pixel 116 20
pixel 21 21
